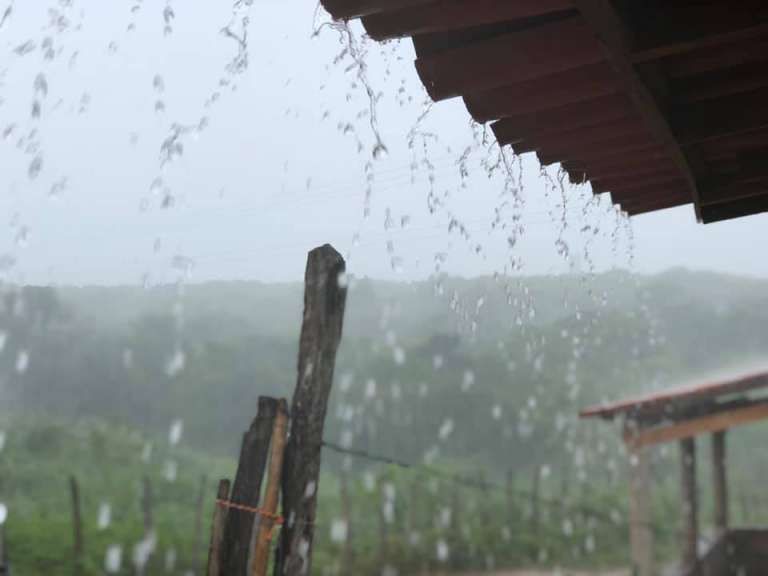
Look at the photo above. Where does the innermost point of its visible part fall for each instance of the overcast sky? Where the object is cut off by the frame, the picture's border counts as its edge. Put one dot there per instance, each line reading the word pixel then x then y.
pixel 278 164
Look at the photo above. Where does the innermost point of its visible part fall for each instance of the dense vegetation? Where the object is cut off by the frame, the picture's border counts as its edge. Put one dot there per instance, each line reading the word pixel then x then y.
pixel 472 383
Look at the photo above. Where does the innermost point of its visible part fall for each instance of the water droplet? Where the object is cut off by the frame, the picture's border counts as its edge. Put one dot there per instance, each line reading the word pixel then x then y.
pixel 113 559
pixel 170 470
pixel 22 361
pixel 399 355
pixel 35 166
pixel 174 434
pixel 442 550
pixel 175 363
pixel 2 440
pixel 468 381
pixel 310 490
pixel 445 429
pixel 105 516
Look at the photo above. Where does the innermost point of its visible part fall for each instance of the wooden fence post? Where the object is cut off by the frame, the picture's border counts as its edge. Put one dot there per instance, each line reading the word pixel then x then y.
pixel 78 545
pixel 324 302
pixel 272 492
pixel 217 528
pixel 198 552
pixel 246 490
pixel 346 514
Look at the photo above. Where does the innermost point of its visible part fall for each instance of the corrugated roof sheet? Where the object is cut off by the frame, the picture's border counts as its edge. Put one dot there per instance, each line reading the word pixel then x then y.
pixel 689 395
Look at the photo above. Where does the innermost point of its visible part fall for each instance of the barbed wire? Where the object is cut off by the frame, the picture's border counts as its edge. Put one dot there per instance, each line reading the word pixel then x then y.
pixel 484 485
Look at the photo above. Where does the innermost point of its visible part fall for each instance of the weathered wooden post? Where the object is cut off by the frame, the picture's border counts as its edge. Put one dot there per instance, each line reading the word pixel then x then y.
pixel 346 515
pixel 720 482
pixel 690 504
pixel 324 301
pixel 217 528
pixel 198 547
pixel 78 546
pixel 267 520
pixel 246 491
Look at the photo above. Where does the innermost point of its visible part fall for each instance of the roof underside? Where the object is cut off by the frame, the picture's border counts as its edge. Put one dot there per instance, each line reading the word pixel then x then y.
pixel 684 402
pixel 658 103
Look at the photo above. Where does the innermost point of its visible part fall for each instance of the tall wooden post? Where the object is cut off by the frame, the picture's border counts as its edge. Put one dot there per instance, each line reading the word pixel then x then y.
pixel 720 482
pixel 690 503
pixel 640 530
pixel 217 528
pixel 246 490
pixel 78 546
pixel 324 301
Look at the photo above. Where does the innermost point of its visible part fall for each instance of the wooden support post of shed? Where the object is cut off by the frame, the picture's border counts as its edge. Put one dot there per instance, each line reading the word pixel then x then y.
pixel 640 529
pixel 720 482
pixel 324 301
pixel 690 510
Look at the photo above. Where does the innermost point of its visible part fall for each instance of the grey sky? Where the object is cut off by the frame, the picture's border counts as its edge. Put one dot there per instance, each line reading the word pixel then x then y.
pixel 274 173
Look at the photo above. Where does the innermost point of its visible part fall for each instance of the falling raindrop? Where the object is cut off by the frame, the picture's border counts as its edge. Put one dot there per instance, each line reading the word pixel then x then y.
pixel 175 364
pixel 35 167
pixel 445 429
pixel 3 513
pixel 170 470
pixel 22 361
pixel 174 434
pixel 442 550
pixel 105 516
pixel 2 440
pixel 399 355
pixel 113 559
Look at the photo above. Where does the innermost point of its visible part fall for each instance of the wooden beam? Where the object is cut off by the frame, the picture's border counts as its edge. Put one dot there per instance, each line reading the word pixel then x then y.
pixel 441 16
pixel 736 209
pixel 523 55
pixel 561 89
pixel 610 29
pixel 349 9
pixel 703 425
pixel 688 27
pixel 690 502
pixel 722 117
pixel 577 116
pixel 720 482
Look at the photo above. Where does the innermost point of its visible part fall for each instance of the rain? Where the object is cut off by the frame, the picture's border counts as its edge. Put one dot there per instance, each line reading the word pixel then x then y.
pixel 167 168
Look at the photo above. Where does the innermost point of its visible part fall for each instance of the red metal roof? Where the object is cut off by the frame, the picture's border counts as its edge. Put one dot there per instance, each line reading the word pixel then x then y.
pixel 697 393
pixel 657 103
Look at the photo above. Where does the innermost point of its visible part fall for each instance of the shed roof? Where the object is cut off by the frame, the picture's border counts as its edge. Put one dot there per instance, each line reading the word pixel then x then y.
pixel 658 103
pixel 664 403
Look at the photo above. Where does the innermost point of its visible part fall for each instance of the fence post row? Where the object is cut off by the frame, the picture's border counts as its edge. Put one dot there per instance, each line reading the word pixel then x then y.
pixel 242 532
